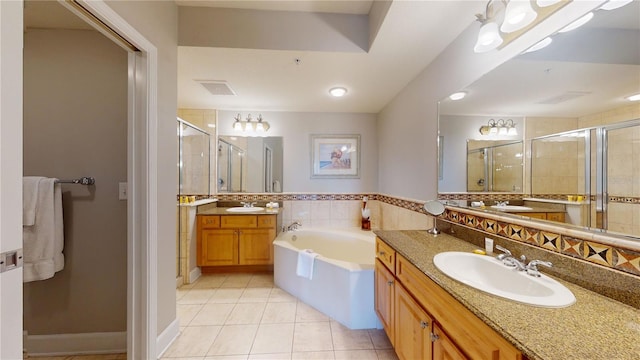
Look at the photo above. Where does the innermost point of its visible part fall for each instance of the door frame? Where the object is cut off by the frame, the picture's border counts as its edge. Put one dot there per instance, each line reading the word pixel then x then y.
pixel 142 216
pixel 142 150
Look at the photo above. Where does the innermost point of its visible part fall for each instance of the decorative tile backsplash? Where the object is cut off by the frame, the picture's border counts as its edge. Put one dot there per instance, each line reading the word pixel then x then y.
pixel 533 233
pixel 610 256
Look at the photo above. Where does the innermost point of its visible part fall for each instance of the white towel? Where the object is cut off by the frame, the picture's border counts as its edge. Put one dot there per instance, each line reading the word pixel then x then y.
pixel 44 241
pixel 306 258
pixel 30 199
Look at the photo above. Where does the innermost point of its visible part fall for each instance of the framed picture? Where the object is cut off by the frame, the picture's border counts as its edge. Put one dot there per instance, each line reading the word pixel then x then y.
pixel 335 156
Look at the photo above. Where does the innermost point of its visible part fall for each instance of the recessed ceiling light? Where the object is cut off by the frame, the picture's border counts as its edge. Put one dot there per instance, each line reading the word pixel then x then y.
pixel 635 97
pixel 614 4
pixel 541 44
pixel 576 24
pixel 338 91
pixel 458 95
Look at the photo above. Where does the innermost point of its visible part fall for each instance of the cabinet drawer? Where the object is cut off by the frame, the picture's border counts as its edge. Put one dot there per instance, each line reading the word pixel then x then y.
pixel 238 221
pixel 266 221
pixel 475 338
pixel 209 222
pixel 386 255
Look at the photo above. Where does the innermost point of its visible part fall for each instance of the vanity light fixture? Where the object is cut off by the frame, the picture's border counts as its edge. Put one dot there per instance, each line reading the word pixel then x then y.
pixel 338 92
pixel 500 127
pixel 458 95
pixel 249 125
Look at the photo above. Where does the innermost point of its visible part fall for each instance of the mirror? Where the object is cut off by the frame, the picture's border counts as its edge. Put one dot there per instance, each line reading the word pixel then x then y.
pixel 579 81
pixel 494 165
pixel 250 164
pixel 436 209
pixel 457 132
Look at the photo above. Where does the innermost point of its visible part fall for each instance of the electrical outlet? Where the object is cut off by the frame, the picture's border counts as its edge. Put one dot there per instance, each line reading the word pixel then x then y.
pixel 123 191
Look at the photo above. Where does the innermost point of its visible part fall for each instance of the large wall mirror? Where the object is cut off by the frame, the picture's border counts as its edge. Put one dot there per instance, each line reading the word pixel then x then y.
pixel 250 164
pixel 565 107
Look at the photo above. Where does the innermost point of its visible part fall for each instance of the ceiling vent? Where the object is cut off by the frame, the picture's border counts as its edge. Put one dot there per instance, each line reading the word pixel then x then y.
pixel 217 87
pixel 569 95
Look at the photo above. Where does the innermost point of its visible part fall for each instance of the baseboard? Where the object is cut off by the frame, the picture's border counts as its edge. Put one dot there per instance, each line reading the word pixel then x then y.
pixel 75 344
pixel 167 337
pixel 194 274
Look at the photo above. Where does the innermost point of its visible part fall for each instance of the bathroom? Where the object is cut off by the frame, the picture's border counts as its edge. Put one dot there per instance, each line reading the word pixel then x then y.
pixel 386 139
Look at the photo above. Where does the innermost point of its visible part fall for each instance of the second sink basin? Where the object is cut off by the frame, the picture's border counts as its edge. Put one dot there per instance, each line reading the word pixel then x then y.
pixel 488 274
pixel 242 209
pixel 511 207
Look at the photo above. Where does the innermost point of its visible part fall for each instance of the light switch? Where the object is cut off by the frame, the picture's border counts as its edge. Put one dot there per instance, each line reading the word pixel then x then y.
pixel 123 191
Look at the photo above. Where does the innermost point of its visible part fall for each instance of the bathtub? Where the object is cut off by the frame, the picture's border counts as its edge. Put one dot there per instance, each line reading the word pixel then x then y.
pixel 342 285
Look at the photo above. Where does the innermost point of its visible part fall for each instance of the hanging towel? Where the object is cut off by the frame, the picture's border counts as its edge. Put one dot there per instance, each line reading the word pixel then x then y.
pixel 29 199
pixel 44 241
pixel 306 258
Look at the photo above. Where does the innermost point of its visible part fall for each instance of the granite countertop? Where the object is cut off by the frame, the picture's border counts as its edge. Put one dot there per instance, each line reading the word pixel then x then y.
pixel 595 327
pixel 223 211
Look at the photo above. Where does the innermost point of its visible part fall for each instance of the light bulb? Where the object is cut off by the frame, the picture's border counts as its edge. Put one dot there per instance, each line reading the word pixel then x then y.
pixel 518 14
pixel 488 38
pixel 338 91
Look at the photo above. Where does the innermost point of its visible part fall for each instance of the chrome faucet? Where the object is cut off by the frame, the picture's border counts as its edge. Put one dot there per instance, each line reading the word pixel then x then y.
pixel 247 204
pixel 521 264
pixel 532 267
pixel 294 226
pixel 502 203
pixel 507 258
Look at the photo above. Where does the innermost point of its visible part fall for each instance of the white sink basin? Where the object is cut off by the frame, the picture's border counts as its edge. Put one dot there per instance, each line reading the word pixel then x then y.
pixel 244 209
pixel 490 275
pixel 511 207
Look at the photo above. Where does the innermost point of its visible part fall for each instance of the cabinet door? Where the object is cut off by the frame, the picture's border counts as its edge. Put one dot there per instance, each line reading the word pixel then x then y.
pixel 256 246
pixel 559 217
pixel 412 326
pixel 443 347
pixel 384 298
pixel 218 247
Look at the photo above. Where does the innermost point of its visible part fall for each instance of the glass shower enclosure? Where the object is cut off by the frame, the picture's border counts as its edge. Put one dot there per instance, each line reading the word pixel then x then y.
pixel 597 168
pixel 194 168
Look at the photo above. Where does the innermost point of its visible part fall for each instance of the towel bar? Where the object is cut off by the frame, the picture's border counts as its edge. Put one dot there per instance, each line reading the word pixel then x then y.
pixel 85 180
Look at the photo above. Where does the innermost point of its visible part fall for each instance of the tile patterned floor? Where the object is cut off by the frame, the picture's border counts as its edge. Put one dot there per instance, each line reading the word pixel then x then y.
pixel 244 316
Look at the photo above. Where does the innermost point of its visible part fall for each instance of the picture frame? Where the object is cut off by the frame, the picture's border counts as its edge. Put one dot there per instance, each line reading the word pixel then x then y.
pixel 335 156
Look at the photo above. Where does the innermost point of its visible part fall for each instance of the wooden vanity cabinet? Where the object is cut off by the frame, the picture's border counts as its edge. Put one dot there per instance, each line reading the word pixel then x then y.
pixel 423 321
pixel 553 216
pixel 228 240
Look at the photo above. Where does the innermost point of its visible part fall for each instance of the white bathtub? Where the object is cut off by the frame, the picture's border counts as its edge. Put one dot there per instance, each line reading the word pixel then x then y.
pixel 342 285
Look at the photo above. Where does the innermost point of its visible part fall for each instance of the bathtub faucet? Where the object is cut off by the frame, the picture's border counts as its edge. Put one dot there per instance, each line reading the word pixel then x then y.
pixel 294 226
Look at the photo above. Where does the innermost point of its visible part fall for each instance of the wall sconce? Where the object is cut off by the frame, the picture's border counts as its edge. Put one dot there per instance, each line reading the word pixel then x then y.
pixel 500 127
pixel 517 16
pixel 249 125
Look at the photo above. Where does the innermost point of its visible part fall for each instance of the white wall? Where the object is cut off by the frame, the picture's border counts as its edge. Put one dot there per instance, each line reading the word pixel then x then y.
pixel 408 125
pixel 296 128
pixel 157 21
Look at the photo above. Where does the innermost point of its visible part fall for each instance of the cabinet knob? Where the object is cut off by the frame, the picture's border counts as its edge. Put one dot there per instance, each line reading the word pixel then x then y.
pixel 390 282
pixel 382 253
pixel 434 337
pixel 424 324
